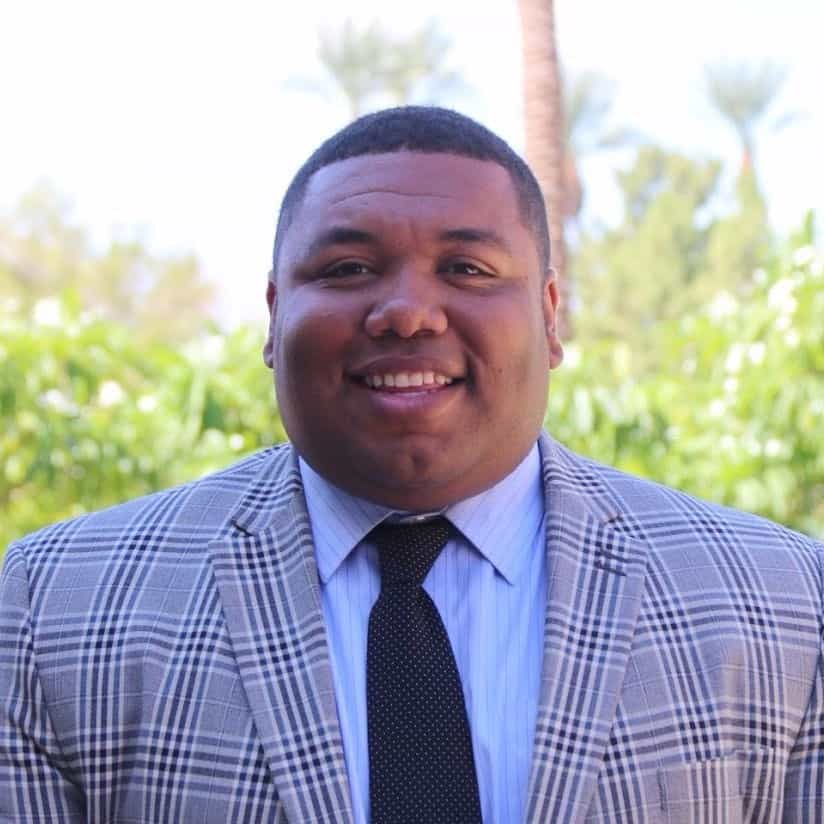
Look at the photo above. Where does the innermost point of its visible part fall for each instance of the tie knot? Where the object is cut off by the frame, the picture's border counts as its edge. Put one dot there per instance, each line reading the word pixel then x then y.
pixel 407 551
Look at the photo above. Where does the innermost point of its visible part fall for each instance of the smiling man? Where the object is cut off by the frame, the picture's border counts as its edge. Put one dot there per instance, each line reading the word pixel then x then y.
pixel 422 608
pixel 410 297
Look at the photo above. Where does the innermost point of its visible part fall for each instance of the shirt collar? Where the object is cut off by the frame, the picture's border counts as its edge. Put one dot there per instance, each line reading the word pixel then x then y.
pixel 499 522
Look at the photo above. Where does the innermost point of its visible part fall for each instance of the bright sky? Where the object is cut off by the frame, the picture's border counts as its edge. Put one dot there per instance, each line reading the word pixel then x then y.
pixel 183 120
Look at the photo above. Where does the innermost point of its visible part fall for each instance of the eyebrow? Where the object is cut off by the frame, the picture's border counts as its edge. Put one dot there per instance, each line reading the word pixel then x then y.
pixel 339 235
pixel 342 235
pixel 467 234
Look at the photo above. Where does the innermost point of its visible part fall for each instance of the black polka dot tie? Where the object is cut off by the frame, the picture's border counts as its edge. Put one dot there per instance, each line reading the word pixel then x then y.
pixel 421 767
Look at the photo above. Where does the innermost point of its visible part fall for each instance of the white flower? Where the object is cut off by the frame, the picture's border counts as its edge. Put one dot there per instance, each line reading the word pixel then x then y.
pixel 89 316
pixel 56 400
pixel 753 446
pixel 792 338
pixel 727 443
pixel 47 312
pixel 147 403
pixel 759 275
pixel 572 355
pixel 207 350
pixel 773 448
pixel 723 305
pixel 780 296
pixel 717 408
pixel 734 358
pixel 689 365
pixel 213 347
pixel 756 352
pixel 803 255
pixel 783 323
pixel 731 386
pixel 236 441
pixel 110 393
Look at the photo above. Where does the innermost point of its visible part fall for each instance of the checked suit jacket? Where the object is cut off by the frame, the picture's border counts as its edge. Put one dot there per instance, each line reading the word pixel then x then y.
pixel 166 661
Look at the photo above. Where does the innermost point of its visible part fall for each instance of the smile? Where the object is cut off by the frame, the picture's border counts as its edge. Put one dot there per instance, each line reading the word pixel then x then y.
pixel 406 380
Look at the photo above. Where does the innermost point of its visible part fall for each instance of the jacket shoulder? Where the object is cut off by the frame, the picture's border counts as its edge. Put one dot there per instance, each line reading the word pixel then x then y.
pixel 197 508
pixel 665 517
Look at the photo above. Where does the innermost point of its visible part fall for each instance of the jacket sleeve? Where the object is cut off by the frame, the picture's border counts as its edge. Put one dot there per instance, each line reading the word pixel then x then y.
pixel 35 782
pixel 804 785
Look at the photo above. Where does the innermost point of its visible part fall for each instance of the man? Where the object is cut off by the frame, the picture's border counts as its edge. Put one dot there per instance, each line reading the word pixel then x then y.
pixel 237 649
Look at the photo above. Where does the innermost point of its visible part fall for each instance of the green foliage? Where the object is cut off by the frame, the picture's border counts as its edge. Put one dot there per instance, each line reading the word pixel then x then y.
pixel 739 243
pixel 647 269
pixel 43 253
pixel 734 410
pixel 90 416
pixel 677 246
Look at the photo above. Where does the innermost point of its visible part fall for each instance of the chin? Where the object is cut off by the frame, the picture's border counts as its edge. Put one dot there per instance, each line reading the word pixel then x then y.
pixel 416 481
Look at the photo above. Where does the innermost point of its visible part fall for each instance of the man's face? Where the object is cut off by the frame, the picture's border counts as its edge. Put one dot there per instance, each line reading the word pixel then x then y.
pixel 412 330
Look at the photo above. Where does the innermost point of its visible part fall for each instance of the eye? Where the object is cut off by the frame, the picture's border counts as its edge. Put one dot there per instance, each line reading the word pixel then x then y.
pixel 345 269
pixel 467 268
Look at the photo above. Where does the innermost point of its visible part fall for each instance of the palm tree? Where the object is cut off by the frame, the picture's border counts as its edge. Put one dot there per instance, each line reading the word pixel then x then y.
pixel 587 99
pixel 369 64
pixel 544 129
pixel 742 94
pixel 415 67
pixel 351 57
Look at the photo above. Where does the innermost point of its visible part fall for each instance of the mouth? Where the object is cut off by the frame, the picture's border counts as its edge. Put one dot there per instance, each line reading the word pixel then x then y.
pixel 410 398
pixel 407 381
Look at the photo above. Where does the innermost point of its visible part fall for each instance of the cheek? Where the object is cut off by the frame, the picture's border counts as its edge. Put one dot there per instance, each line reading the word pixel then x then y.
pixel 518 372
pixel 508 343
pixel 313 337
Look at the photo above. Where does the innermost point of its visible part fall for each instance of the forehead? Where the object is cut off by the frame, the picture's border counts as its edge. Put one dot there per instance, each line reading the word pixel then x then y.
pixel 428 185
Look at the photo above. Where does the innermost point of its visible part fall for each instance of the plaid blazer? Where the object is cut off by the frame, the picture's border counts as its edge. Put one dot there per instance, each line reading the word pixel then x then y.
pixel 165 660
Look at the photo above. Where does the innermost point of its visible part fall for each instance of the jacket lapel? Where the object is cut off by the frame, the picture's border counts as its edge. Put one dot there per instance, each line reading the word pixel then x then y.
pixel 595 580
pixel 268 581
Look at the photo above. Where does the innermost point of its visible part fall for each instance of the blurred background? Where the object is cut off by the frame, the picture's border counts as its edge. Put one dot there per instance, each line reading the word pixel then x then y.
pixel 146 148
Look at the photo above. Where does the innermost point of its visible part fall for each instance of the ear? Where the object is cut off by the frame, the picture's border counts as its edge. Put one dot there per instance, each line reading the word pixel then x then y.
pixel 272 303
pixel 551 300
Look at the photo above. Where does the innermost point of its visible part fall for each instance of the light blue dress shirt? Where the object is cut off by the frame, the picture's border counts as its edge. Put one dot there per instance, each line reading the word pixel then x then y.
pixel 490 589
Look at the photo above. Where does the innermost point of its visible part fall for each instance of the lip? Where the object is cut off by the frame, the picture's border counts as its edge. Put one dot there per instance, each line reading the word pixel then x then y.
pixel 407 363
pixel 411 404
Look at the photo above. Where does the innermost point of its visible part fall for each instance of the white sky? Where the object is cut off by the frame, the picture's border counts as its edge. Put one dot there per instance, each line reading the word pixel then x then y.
pixel 182 120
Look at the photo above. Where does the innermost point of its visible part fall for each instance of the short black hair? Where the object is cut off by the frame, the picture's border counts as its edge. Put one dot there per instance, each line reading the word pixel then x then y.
pixel 421 129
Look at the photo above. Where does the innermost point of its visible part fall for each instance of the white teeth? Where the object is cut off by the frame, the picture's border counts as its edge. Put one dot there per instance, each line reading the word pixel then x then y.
pixel 404 380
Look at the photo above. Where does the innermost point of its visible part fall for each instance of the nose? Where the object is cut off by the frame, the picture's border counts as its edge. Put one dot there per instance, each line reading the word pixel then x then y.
pixel 407 304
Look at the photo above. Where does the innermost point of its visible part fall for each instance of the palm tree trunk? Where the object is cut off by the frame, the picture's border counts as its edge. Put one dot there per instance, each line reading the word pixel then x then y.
pixel 543 121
